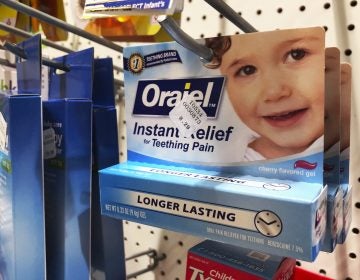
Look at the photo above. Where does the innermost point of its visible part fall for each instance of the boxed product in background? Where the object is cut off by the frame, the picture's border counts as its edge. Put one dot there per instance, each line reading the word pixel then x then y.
pixel 22 221
pixel 345 125
pixel 128 7
pixel 277 217
pixel 22 239
pixel 107 238
pixel 334 224
pixel 67 124
pixel 218 261
pixel 67 177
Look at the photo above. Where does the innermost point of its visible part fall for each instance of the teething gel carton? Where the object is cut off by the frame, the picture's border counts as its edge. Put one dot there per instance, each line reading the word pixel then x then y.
pixel 274 216
pixel 215 260
pixel 209 145
pixel 237 113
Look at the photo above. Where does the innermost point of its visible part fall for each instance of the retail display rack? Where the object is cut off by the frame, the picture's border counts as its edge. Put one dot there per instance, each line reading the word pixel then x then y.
pixel 199 20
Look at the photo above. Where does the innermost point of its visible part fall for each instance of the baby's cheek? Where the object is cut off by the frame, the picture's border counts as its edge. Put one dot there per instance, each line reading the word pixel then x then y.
pixel 318 126
pixel 314 79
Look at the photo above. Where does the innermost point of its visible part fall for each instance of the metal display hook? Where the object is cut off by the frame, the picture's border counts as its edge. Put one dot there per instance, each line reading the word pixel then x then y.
pixel 18 51
pixel 205 53
pixel 7 63
pixel 61 24
pixel 47 62
pixel 25 34
pixel 46 42
pixel 155 259
pixel 171 27
pixel 231 15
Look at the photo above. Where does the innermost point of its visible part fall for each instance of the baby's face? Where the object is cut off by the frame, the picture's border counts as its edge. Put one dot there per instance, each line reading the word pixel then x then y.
pixel 275 82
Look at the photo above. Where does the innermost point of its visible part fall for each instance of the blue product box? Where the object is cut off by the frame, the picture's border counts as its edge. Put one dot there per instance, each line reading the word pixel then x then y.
pixel 107 242
pixel 22 237
pixel 21 172
pixel 67 176
pixel 277 217
pixel 334 224
pixel 131 7
pixel 347 215
pixel 67 125
pixel 29 69
pixel 215 260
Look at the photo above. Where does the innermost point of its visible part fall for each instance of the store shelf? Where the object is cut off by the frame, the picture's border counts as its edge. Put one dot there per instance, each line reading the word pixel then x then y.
pixel 341 20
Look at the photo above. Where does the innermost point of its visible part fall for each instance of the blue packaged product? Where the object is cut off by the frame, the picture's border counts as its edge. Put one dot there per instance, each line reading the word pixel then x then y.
pixel 22 238
pixel 67 124
pixel 22 222
pixel 334 223
pixel 277 217
pixel 67 178
pixel 131 7
pixel 107 242
pixel 29 69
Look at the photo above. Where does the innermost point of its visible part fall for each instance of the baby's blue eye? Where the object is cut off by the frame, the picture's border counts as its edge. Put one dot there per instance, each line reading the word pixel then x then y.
pixel 246 70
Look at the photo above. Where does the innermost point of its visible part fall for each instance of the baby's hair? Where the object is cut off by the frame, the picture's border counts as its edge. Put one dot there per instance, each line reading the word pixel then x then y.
pixel 219 45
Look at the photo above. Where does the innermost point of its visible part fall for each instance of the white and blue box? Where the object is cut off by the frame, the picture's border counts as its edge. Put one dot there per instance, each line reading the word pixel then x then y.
pixel 255 110
pixel 277 217
pixel 238 113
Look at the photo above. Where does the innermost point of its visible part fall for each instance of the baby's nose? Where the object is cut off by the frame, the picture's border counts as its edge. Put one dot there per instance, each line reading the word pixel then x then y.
pixel 276 86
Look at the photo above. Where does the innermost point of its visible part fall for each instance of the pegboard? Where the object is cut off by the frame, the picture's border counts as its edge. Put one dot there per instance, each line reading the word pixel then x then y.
pixel 342 24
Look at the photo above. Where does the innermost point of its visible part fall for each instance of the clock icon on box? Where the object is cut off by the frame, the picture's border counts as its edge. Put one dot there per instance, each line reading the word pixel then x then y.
pixel 268 223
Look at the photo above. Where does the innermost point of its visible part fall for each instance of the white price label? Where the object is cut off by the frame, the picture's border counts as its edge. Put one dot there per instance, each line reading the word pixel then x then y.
pixel 45 83
pixel 49 143
pixel 188 116
pixel 3 128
